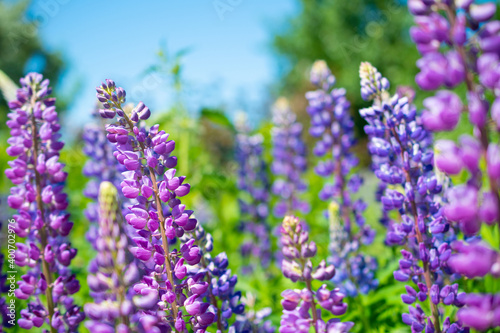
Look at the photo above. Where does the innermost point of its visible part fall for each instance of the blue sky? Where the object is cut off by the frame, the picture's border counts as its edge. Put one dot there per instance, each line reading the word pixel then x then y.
pixel 230 60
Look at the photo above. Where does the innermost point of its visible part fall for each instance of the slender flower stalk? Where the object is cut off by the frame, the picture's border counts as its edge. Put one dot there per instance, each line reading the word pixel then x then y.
pixel 113 271
pixel 402 156
pixel 254 186
pixel 165 297
pixel 289 160
pixel 40 201
pixel 303 308
pixel 332 124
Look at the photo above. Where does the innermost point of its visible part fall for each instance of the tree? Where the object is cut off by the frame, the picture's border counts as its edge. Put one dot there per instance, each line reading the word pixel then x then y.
pixel 344 33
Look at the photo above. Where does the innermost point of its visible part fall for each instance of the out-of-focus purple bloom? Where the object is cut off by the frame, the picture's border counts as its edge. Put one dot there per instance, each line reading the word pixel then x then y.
pixel 481 311
pixel 442 111
pixel 40 201
pixel 474 260
pixel 301 308
pixel 253 182
pixel 289 160
pixel 113 271
pixel 333 125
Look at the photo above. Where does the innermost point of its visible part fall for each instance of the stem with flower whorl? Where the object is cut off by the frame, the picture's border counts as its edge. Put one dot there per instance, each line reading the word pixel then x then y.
pixel 43 234
pixel 146 154
pixel 40 201
pixel 156 195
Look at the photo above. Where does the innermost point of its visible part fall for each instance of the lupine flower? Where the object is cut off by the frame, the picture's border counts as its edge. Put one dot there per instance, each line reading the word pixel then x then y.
pixel 302 308
pixel 165 298
pixel 403 159
pixel 289 160
pixel 333 125
pixel 253 182
pixel 40 201
pixel 220 289
pixel 481 311
pixel 476 44
pixel 453 28
pixel 474 260
pixel 113 271
pixel 100 166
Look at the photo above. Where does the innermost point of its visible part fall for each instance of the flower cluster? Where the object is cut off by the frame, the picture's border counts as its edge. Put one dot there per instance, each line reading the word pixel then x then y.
pixel 167 300
pixel 302 308
pixel 254 184
pixel 289 160
pixel 332 124
pixel 100 166
pixel 402 156
pixel 40 201
pixel 113 271
pixel 224 299
pixel 465 33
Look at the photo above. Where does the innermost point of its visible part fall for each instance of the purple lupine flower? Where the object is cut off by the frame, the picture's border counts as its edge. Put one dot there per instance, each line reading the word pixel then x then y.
pixel 219 285
pixel 113 271
pixel 476 45
pixel 100 166
pixel 164 299
pixel 474 260
pixel 40 201
pixel 254 184
pixel 332 124
pixel 466 31
pixel 289 160
pixel 402 157
pixel 481 311
pixel 302 308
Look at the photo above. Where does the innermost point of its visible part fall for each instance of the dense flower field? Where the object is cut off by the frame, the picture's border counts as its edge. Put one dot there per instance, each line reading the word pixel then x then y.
pixel 417 251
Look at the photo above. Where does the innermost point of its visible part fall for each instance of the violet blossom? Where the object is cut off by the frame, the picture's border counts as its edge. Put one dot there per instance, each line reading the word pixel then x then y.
pixel 40 201
pixel 165 297
pixel 302 308
pixel 333 125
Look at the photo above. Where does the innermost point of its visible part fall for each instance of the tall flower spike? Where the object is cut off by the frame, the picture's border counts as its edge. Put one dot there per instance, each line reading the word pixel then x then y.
pixel 101 166
pixel 468 39
pixel 163 296
pixel 40 201
pixel 332 124
pixel 254 186
pixel 302 308
pixel 402 159
pixel 289 160
pixel 113 271
pixel 460 42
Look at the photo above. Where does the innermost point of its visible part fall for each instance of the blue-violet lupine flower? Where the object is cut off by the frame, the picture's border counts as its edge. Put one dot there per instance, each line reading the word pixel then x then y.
pixel 165 298
pixel 40 201
pixel 403 160
pixel 332 124
pixel 289 160
pixel 113 271
pixel 253 183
